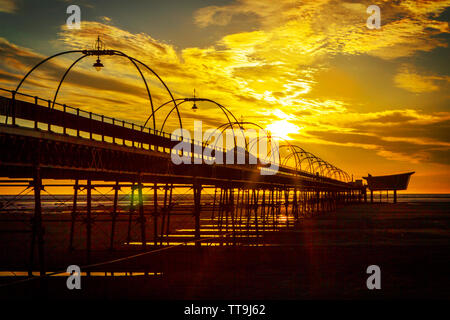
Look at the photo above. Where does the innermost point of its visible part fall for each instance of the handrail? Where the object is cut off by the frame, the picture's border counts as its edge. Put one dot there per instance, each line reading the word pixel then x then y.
pixel 79 113
pixel 100 117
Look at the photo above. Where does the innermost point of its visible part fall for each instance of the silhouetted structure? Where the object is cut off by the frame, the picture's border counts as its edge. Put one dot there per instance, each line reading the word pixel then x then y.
pixel 42 139
pixel 390 182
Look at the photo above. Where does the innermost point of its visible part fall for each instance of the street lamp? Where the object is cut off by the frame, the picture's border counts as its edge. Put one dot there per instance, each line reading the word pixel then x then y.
pixel 98 65
pixel 194 106
pixel 98 47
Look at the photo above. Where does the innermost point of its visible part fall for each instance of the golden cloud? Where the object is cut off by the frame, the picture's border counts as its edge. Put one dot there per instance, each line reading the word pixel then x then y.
pixel 8 6
pixel 269 75
pixel 332 27
pixel 409 79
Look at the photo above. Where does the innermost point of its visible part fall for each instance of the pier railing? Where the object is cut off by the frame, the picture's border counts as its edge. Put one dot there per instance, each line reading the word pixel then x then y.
pixel 55 117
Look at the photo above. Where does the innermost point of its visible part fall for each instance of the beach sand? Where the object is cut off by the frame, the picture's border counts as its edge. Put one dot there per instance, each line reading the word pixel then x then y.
pixel 322 257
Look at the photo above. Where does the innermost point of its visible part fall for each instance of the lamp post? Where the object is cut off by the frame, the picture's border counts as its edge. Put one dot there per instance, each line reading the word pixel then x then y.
pixel 194 106
pixel 99 46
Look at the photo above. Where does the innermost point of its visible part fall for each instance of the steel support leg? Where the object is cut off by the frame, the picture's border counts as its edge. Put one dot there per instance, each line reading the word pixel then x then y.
pixel 38 232
pixel 74 214
pixel 197 209
pixel 88 222
pixel 114 215
pixel 141 215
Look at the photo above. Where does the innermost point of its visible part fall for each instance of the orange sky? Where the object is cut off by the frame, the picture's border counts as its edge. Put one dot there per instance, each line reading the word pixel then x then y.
pixel 368 101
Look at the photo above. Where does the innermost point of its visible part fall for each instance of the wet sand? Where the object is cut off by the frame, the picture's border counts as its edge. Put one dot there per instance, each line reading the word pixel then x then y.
pixel 322 257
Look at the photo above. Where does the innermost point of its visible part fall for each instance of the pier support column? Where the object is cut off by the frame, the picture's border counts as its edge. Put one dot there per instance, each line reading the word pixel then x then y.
pixel 286 205
pixel 88 222
pixel 164 212
pixel 38 232
pixel 317 201
pixel 232 214
pixel 114 215
pixel 295 205
pixel 169 208
pixel 74 214
pixel 395 196
pixel 155 214
pixel 263 210
pixel 141 215
pixel 197 209
pixel 371 196
pixel 255 208
pixel 130 216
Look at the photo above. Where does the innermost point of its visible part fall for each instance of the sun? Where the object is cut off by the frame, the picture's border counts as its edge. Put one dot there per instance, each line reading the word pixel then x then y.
pixel 282 129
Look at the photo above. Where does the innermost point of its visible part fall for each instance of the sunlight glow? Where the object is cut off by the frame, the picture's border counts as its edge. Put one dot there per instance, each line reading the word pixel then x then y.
pixel 282 129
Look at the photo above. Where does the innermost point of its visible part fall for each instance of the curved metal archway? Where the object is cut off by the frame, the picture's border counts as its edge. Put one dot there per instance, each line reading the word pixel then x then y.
pixel 315 164
pixel 87 53
pixel 225 126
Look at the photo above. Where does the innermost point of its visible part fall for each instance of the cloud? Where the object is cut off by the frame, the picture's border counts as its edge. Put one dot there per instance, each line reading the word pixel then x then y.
pixel 269 12
pixel 403 135
pixel 268 75
pixel 409 79
pixel 332 27
pixel 394 149
pixel 8 6
pixel 82 87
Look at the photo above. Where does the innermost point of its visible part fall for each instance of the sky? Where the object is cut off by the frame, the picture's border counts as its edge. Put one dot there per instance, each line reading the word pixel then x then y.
pixel 366 100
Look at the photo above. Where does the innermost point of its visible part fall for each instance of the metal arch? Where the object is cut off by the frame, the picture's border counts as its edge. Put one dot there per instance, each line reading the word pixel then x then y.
pixel 342 174
pixel 335 172
pixel 167 116
pixel 319 161
pixel 224 109
pixel 329 169
pixel 310 157
pixel 347 176
pixel 297 153
pixel 164 84
pixel 339 173
pixel 118 53
pixel 269 137
pixel 179 116
pixel 64 76
pixel 307 157
pixel 145 82
pixel 225 125
pixel 154 112
pixel 268 133
pixel 292 153
pixel 114 52
pixel 42 62
pixel 300 153
pixel 325 168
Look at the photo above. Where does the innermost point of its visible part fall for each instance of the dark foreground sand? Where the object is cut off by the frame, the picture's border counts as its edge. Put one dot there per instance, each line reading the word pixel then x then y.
pixel 324 257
